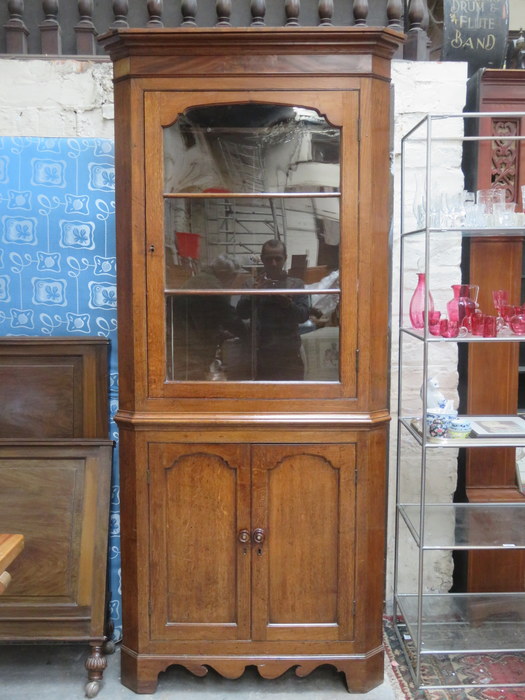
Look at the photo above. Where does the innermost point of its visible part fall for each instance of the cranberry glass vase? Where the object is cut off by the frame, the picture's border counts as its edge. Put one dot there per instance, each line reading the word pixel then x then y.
pixel 417 303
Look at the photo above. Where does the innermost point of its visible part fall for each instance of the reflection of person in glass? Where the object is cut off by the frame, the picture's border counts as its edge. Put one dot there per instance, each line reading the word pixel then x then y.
pixel 276 318
pixel 202 322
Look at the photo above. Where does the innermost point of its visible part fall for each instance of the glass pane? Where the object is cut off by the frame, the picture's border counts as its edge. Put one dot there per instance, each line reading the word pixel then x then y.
pixel 199 231
pixel 240 229
pixel 251 148
pixel 262 336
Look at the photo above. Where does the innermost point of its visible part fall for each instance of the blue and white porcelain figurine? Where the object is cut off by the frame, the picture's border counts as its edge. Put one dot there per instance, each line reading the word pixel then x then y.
pixel 435 399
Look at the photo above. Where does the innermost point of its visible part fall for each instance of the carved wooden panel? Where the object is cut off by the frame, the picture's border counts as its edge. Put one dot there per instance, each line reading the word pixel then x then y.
pixel 505 156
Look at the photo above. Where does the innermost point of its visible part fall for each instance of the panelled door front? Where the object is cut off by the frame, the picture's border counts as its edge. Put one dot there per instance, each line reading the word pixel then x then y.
pixel 200 571
pixel 252 542
pixel 304 503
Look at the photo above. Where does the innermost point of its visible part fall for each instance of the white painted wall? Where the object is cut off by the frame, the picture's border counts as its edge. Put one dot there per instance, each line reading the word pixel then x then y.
pixel 44 97
pixel 73 98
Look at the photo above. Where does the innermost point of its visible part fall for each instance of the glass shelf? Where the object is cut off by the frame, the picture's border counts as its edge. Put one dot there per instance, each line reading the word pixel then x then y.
pixel 499 231
pixel 435 242
pixel 412 425
pixel 476 525
pixel 469 338
pixel 466 622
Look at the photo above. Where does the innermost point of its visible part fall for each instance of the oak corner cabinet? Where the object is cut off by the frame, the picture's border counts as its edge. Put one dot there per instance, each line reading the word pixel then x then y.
pixel 252 239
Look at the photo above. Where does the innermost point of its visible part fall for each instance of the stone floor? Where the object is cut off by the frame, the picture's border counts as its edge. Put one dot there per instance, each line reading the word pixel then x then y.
pixel 45 672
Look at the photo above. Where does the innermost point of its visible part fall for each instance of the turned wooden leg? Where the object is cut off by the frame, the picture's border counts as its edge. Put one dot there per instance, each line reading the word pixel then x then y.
pixel 95 665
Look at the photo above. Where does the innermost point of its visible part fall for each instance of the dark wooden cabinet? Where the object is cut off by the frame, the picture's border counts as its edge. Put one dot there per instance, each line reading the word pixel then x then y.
pixel 253 451
pixel 491 473
pixel 55 473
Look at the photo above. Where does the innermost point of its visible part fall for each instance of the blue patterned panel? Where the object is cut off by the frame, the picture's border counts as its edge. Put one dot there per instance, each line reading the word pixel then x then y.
pixel 58 265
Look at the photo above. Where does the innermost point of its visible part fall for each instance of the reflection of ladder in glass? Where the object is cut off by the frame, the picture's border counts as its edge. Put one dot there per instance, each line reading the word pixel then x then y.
pixel 221 226
pixel 244 163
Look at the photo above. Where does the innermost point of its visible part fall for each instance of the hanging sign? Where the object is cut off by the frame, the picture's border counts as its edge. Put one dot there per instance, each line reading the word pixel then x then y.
pixel 475 31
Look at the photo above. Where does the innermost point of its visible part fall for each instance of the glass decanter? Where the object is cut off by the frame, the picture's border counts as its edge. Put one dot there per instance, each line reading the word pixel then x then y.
pixel 416 309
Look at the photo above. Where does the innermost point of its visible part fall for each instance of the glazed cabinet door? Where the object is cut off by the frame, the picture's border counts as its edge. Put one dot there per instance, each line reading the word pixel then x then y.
pixel 199 523
pixel 303 519
pixel 241 172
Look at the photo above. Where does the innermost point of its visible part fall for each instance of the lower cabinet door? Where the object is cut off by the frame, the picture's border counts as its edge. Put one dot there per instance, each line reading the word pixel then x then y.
pixel 303 572
pixel 252 541
pixel 200 565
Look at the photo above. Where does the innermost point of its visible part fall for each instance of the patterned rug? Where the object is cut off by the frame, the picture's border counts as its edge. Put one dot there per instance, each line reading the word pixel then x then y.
pixel 448 669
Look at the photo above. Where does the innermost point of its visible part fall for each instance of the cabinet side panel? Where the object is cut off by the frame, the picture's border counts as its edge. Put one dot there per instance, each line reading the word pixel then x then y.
pixel 374 243
pixel 130 232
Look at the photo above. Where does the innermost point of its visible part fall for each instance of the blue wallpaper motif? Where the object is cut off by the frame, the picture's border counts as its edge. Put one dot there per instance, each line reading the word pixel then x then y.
pixel 58 265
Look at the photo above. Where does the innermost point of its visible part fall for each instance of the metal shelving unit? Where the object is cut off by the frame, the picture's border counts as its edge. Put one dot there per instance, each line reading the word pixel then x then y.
pixel 435 625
